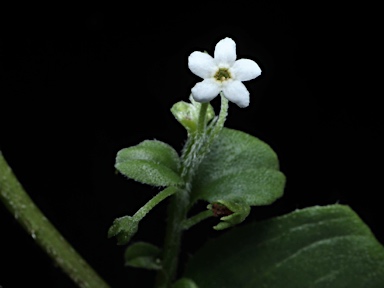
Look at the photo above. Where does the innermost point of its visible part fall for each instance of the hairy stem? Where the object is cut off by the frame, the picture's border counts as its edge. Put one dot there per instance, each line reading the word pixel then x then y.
pixel 194 151
pixel 220 121
pixel 188 223
pixel 17 201
pixel 153 202
pixel 202 118
pixel 178 207
pixel 177 211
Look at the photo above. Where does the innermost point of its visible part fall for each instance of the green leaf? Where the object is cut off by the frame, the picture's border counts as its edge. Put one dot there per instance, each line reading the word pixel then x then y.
pixel 239 168
pixel 188 113
pixel 143 255
pixel 328 246
pixel 184 283
pixel 151 162
pixel 123 228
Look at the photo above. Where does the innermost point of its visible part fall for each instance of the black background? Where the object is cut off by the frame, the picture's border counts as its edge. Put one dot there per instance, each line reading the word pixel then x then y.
pixel 77 85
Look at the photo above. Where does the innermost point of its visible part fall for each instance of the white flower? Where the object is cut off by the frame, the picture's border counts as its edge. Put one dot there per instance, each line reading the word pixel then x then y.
pixel 222 73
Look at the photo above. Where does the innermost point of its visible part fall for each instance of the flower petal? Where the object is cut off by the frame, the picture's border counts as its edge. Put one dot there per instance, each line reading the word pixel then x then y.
pixel 246 69
pixel 205 90
pixel 225 52
pixel 201 64
pixel 236 92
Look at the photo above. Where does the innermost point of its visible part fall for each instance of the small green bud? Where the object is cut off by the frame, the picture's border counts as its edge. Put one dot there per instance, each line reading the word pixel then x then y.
pixel 188 114
pixel 232 212
pixel 123 228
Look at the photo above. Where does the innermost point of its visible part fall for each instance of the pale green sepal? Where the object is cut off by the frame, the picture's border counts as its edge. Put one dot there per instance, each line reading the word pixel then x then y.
pixel 233 212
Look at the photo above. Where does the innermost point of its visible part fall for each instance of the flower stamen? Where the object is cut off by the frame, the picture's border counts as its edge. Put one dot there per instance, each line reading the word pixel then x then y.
pixel 222 75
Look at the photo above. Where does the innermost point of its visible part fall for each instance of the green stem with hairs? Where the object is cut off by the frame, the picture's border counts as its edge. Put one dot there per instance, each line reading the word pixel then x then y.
pixel 202 118
pixel 197 146
pixel 188 223
pixel 178 207
pixel 21 206
pixel 140 214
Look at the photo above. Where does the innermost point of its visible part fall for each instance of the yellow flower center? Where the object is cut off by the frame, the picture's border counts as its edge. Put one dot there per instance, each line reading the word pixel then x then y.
pixel 222 74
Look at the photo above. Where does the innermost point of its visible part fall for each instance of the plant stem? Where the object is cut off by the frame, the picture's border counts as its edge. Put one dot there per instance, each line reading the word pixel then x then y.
pixel 178 207
pixel 19 204
pixel 140 214
pixel 177 211
pixel 202 118
pixel 220 121
pixel 188 223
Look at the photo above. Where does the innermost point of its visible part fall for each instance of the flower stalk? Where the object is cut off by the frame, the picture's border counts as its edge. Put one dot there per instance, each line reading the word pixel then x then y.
pixel 140 214
pixel 188 223
pixel 202 118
